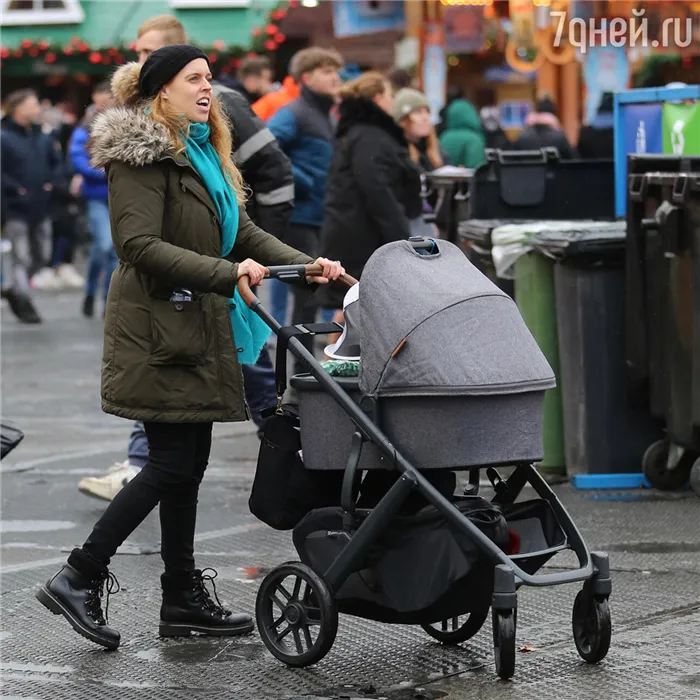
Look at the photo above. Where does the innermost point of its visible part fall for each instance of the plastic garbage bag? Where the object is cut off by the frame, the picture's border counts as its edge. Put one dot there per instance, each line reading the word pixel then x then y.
pixel 512 241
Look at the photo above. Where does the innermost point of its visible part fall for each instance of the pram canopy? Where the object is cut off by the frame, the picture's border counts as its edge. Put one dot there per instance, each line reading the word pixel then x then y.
pixel 434 325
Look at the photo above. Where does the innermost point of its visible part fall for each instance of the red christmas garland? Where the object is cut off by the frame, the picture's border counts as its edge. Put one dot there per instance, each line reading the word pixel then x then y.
pixel 266 39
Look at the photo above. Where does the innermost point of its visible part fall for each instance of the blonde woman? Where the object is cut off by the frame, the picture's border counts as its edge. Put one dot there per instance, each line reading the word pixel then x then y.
pixel 176 330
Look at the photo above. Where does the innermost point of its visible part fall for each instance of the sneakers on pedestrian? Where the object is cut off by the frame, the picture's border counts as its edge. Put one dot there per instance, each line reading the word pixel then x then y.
pixel 69 277
pixel 76 592
pixel 188 607
pixel 108 486
pixel 22 307
pixel 46 280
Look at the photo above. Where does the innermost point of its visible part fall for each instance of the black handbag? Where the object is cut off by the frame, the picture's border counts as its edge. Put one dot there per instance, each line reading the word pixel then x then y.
pixel 283 490
pixel 11 437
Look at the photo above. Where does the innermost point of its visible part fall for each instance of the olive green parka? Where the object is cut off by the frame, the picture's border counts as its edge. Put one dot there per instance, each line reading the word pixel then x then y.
pixel 162 361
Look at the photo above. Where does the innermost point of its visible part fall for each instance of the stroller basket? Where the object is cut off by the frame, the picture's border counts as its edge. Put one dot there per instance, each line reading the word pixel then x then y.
pixel 420 571
pixel 423 570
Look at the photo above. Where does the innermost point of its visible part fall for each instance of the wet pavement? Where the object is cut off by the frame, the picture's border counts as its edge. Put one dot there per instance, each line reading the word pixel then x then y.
pixel 50 387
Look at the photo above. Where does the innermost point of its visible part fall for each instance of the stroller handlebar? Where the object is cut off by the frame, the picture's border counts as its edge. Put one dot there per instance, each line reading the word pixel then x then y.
pixel 287 273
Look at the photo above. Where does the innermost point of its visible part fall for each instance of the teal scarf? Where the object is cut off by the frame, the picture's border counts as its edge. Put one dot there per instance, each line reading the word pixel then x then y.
pixel 250 332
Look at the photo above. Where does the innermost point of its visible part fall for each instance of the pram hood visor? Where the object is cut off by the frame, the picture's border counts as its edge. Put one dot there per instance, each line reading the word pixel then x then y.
pixel 434 325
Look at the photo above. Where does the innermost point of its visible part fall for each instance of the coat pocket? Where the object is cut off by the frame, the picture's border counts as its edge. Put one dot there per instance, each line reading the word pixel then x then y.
pixel 177 332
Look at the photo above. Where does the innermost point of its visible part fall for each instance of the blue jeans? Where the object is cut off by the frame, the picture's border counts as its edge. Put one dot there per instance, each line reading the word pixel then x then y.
pixel 102 258
pixel 260 393
pixel 138 446
pixel 279 299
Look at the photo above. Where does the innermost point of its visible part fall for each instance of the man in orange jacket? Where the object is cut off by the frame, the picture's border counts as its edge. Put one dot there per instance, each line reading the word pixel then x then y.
pixel 268 104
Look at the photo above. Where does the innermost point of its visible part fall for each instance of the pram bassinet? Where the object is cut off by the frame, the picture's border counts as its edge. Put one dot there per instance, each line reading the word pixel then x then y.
pixel 452 339
pixel 449 370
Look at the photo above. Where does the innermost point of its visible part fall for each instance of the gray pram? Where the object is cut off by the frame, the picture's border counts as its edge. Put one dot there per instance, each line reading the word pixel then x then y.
pixel 450 380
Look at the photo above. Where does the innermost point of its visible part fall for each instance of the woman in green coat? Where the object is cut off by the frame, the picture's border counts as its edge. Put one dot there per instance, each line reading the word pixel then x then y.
pixel 176 330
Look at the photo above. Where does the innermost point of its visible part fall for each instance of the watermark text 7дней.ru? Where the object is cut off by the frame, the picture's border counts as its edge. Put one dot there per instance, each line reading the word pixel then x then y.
pixel 676 32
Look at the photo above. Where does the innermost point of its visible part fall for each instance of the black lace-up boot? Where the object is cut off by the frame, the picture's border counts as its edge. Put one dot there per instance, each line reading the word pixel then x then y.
pixel 188 607
pixel 76 592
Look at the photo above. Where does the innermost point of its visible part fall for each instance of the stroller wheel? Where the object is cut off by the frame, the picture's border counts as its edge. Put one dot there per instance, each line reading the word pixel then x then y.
pixel 592 626
pixel 504 622
pixel 457 629
pixel 296 615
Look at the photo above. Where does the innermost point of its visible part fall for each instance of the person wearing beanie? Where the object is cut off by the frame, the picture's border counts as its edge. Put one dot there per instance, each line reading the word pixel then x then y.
pixel 268 173
pixel 543 130
pixel 411 111
pixel 176 329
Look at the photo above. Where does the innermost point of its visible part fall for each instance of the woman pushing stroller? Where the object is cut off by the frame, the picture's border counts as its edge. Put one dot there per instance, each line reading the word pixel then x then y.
pixel 176 329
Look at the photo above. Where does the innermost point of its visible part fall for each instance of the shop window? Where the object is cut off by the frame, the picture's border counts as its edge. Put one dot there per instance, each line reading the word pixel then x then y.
pixel 33 12
pixel 207 4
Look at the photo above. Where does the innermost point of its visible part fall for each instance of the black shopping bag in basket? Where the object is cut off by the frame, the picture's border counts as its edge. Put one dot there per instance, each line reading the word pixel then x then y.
pixel 283 490
pixel 11 437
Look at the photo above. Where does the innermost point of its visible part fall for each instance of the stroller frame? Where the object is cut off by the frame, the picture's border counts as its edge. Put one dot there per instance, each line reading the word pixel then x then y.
pixel 591 617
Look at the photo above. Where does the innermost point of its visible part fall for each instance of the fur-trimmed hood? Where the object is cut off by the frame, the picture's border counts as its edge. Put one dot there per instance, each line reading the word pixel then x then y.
pixel 125 133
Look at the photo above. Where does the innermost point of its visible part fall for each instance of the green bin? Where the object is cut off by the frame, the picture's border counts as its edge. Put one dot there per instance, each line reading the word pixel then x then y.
pixel 534 295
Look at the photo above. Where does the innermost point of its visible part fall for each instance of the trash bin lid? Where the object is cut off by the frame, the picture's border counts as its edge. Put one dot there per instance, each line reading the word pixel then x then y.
pixel 512 241
pixel 597 239
pixel 479 230
pixel 521 232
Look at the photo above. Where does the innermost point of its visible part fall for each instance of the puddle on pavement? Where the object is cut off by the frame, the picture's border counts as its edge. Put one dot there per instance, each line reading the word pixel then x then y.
pixel 199 651
pixel 34 525
pixel 654 547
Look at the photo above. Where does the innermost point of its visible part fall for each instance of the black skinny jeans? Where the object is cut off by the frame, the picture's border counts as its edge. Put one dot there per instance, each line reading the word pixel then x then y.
pixel 178 456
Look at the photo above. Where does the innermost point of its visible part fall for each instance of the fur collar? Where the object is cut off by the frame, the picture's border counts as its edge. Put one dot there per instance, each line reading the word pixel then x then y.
pixel 357 110
pixel 125 133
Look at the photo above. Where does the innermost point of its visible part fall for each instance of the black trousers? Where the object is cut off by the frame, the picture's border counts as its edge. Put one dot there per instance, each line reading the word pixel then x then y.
pixel 178 456
pixel 307 239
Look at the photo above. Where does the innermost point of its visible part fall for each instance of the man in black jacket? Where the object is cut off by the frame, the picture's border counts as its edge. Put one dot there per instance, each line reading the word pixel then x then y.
pixel 30 167
pixel 268 173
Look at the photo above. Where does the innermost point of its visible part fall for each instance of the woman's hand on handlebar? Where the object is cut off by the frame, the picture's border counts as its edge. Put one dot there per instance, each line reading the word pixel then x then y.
pixel 253 270
pixel 332 270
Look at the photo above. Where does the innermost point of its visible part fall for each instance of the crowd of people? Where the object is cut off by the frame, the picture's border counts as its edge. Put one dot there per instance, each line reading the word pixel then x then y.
pixel 171 170
pixel 54 201
pixel 335 168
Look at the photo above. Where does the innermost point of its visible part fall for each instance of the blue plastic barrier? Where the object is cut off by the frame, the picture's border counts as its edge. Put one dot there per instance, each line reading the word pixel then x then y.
pixel 626 142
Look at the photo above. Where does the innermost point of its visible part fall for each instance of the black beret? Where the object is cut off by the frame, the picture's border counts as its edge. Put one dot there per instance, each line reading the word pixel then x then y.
pixel 164 64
